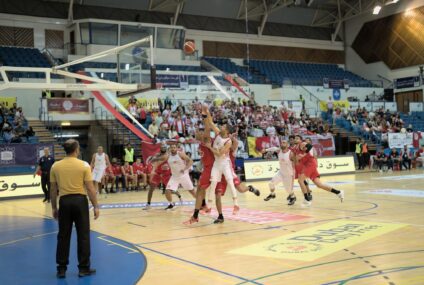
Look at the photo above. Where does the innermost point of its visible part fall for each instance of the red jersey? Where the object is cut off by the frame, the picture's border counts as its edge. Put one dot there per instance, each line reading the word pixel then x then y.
pixel 309 161
pixel 149 168
pixel 206 155
pixel 127 169
pixel 116 169
pixel 138 168
pixel 163 169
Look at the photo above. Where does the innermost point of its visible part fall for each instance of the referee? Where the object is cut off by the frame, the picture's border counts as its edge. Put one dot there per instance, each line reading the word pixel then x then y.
pixel 69 176
pixel 44 165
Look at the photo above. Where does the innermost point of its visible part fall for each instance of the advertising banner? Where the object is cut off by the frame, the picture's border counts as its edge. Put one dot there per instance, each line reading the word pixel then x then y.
pixel 68 105
pixel 407 82
pixel 19 185
pixel 342 104
pixel 7 101
pixel 398 140
pixel 266 169
pixel 22 154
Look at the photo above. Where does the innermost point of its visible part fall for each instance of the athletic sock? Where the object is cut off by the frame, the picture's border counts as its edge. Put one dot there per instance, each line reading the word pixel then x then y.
pixel 196 213
pixel 335 191
pixel 203 203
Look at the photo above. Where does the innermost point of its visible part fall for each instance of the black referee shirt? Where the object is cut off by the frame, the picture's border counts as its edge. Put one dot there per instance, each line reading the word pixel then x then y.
pixel 46 163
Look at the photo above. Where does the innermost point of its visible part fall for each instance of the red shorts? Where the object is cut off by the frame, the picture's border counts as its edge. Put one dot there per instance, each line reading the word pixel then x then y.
pixel 222 185
pixel 159 178
pixel 297 170
pixel 205 178
pixel 311 172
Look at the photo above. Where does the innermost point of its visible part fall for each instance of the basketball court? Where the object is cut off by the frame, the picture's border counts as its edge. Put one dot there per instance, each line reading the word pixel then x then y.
pixel 373 237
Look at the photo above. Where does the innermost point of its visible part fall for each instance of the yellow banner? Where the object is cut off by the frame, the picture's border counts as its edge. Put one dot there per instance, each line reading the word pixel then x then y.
pixel 319 241
pixel 266 169
pixel 19 185
pixel 7 101
pixel 147 103
pixel 342 104
pixel 251 144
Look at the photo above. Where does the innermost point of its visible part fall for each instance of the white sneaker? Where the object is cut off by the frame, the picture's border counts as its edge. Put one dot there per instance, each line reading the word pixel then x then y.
pixel 341 195
pixel 306 203
pixel 147 207
pixel 381 171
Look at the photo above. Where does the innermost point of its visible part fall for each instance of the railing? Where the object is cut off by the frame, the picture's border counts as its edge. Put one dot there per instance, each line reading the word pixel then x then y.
pixel 53 60
pixel 312 98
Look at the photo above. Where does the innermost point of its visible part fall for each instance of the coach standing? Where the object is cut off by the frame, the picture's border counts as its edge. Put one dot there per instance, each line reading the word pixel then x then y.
pixel 44 165
pixel 69 176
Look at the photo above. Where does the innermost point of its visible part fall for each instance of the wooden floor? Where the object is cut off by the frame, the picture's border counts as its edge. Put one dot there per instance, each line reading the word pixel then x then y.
pixel 376 236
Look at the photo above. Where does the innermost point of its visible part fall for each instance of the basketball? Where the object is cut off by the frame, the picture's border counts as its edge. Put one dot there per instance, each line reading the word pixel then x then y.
pixel 189 47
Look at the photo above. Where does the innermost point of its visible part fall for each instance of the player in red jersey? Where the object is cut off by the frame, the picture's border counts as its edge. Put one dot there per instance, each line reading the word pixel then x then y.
pixel 117 172
pixel 108 177
pixel 140 171
pixel 129 176
pixel 310 170
pixel 207 159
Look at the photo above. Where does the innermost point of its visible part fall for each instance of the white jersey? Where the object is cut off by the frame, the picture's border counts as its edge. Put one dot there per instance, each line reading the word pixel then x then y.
pixel 176 163
pixel 100 161
pixel 219 143
pixel 286 165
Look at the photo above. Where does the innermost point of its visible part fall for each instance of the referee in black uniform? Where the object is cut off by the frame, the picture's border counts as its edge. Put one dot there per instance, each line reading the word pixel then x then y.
pixel 44 165
pixel 70 176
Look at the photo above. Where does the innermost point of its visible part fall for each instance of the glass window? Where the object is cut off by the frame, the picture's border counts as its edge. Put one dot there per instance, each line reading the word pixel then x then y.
pixel 85 33
pixel 134 33
pixel 104 34
pixel 170 38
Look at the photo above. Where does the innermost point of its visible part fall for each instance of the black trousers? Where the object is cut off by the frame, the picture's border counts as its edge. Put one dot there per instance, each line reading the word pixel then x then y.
pixel 45 184
pixel 73 209
pixel 406 162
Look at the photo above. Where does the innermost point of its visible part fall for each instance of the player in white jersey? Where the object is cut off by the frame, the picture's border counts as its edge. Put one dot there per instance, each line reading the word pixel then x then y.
pixel 286 173
pixel 179 163
pixel 99 163
pixel 222 165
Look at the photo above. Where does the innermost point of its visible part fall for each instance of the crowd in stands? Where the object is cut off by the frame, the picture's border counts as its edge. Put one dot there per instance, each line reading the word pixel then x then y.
pixel 13 124
pixel 175 120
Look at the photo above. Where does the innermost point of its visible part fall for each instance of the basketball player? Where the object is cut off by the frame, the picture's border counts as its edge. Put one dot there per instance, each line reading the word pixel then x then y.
pixel 99 163
pixel 222 165
pixel 310 170
pixel 298 167
pixel 109 177
pixel 286 173
pixel 160 174
pixel 140 171
pixel 129 176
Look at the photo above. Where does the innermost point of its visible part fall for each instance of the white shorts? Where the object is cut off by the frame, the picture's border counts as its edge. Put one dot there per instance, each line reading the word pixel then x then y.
pixel 219 169
pixel 98 174
pixel 286 179
pixel 183 180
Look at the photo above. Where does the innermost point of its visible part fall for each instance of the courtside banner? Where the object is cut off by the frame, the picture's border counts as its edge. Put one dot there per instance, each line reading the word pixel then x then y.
pixel 255 170
pixel 19 185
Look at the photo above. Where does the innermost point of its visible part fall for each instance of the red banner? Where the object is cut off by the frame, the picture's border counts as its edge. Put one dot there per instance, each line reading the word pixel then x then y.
pixel 149 149
pixel 68 105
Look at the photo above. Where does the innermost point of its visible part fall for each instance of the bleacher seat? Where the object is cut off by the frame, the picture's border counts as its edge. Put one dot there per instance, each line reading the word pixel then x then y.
pixel 23 57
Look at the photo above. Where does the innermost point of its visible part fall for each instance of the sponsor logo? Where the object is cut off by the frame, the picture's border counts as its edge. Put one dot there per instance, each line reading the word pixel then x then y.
pixel 319 241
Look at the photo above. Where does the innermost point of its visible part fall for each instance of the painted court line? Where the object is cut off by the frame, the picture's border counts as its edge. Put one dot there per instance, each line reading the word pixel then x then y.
pixel 200 265
pixel 333 262
pixel 27 238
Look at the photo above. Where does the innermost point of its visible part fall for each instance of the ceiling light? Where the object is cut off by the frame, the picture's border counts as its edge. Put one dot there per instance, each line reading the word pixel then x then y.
pixel 67 136
pixel 65 124
pixel 127 66
pixel 376 10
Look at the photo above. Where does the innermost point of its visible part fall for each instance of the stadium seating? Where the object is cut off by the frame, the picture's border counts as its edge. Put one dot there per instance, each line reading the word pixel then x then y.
pixel 23 57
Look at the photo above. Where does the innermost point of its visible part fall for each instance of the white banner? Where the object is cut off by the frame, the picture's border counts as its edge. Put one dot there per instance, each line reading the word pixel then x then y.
pixel 415 107
pixel 377 105
pixel 398 140
pixel 366 105
pixel 20 185
pixel 266 169
pixel 391 106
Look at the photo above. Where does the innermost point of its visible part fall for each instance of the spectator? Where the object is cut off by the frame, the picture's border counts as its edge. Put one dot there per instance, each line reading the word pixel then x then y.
pixel 419 157
pixel 358 152
pixel 172 134
pixel 330 105
pixel 29 133
pixel 129 154
pixel 163 133
pixel 394 158
pixel 153 129
pixel 365 154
